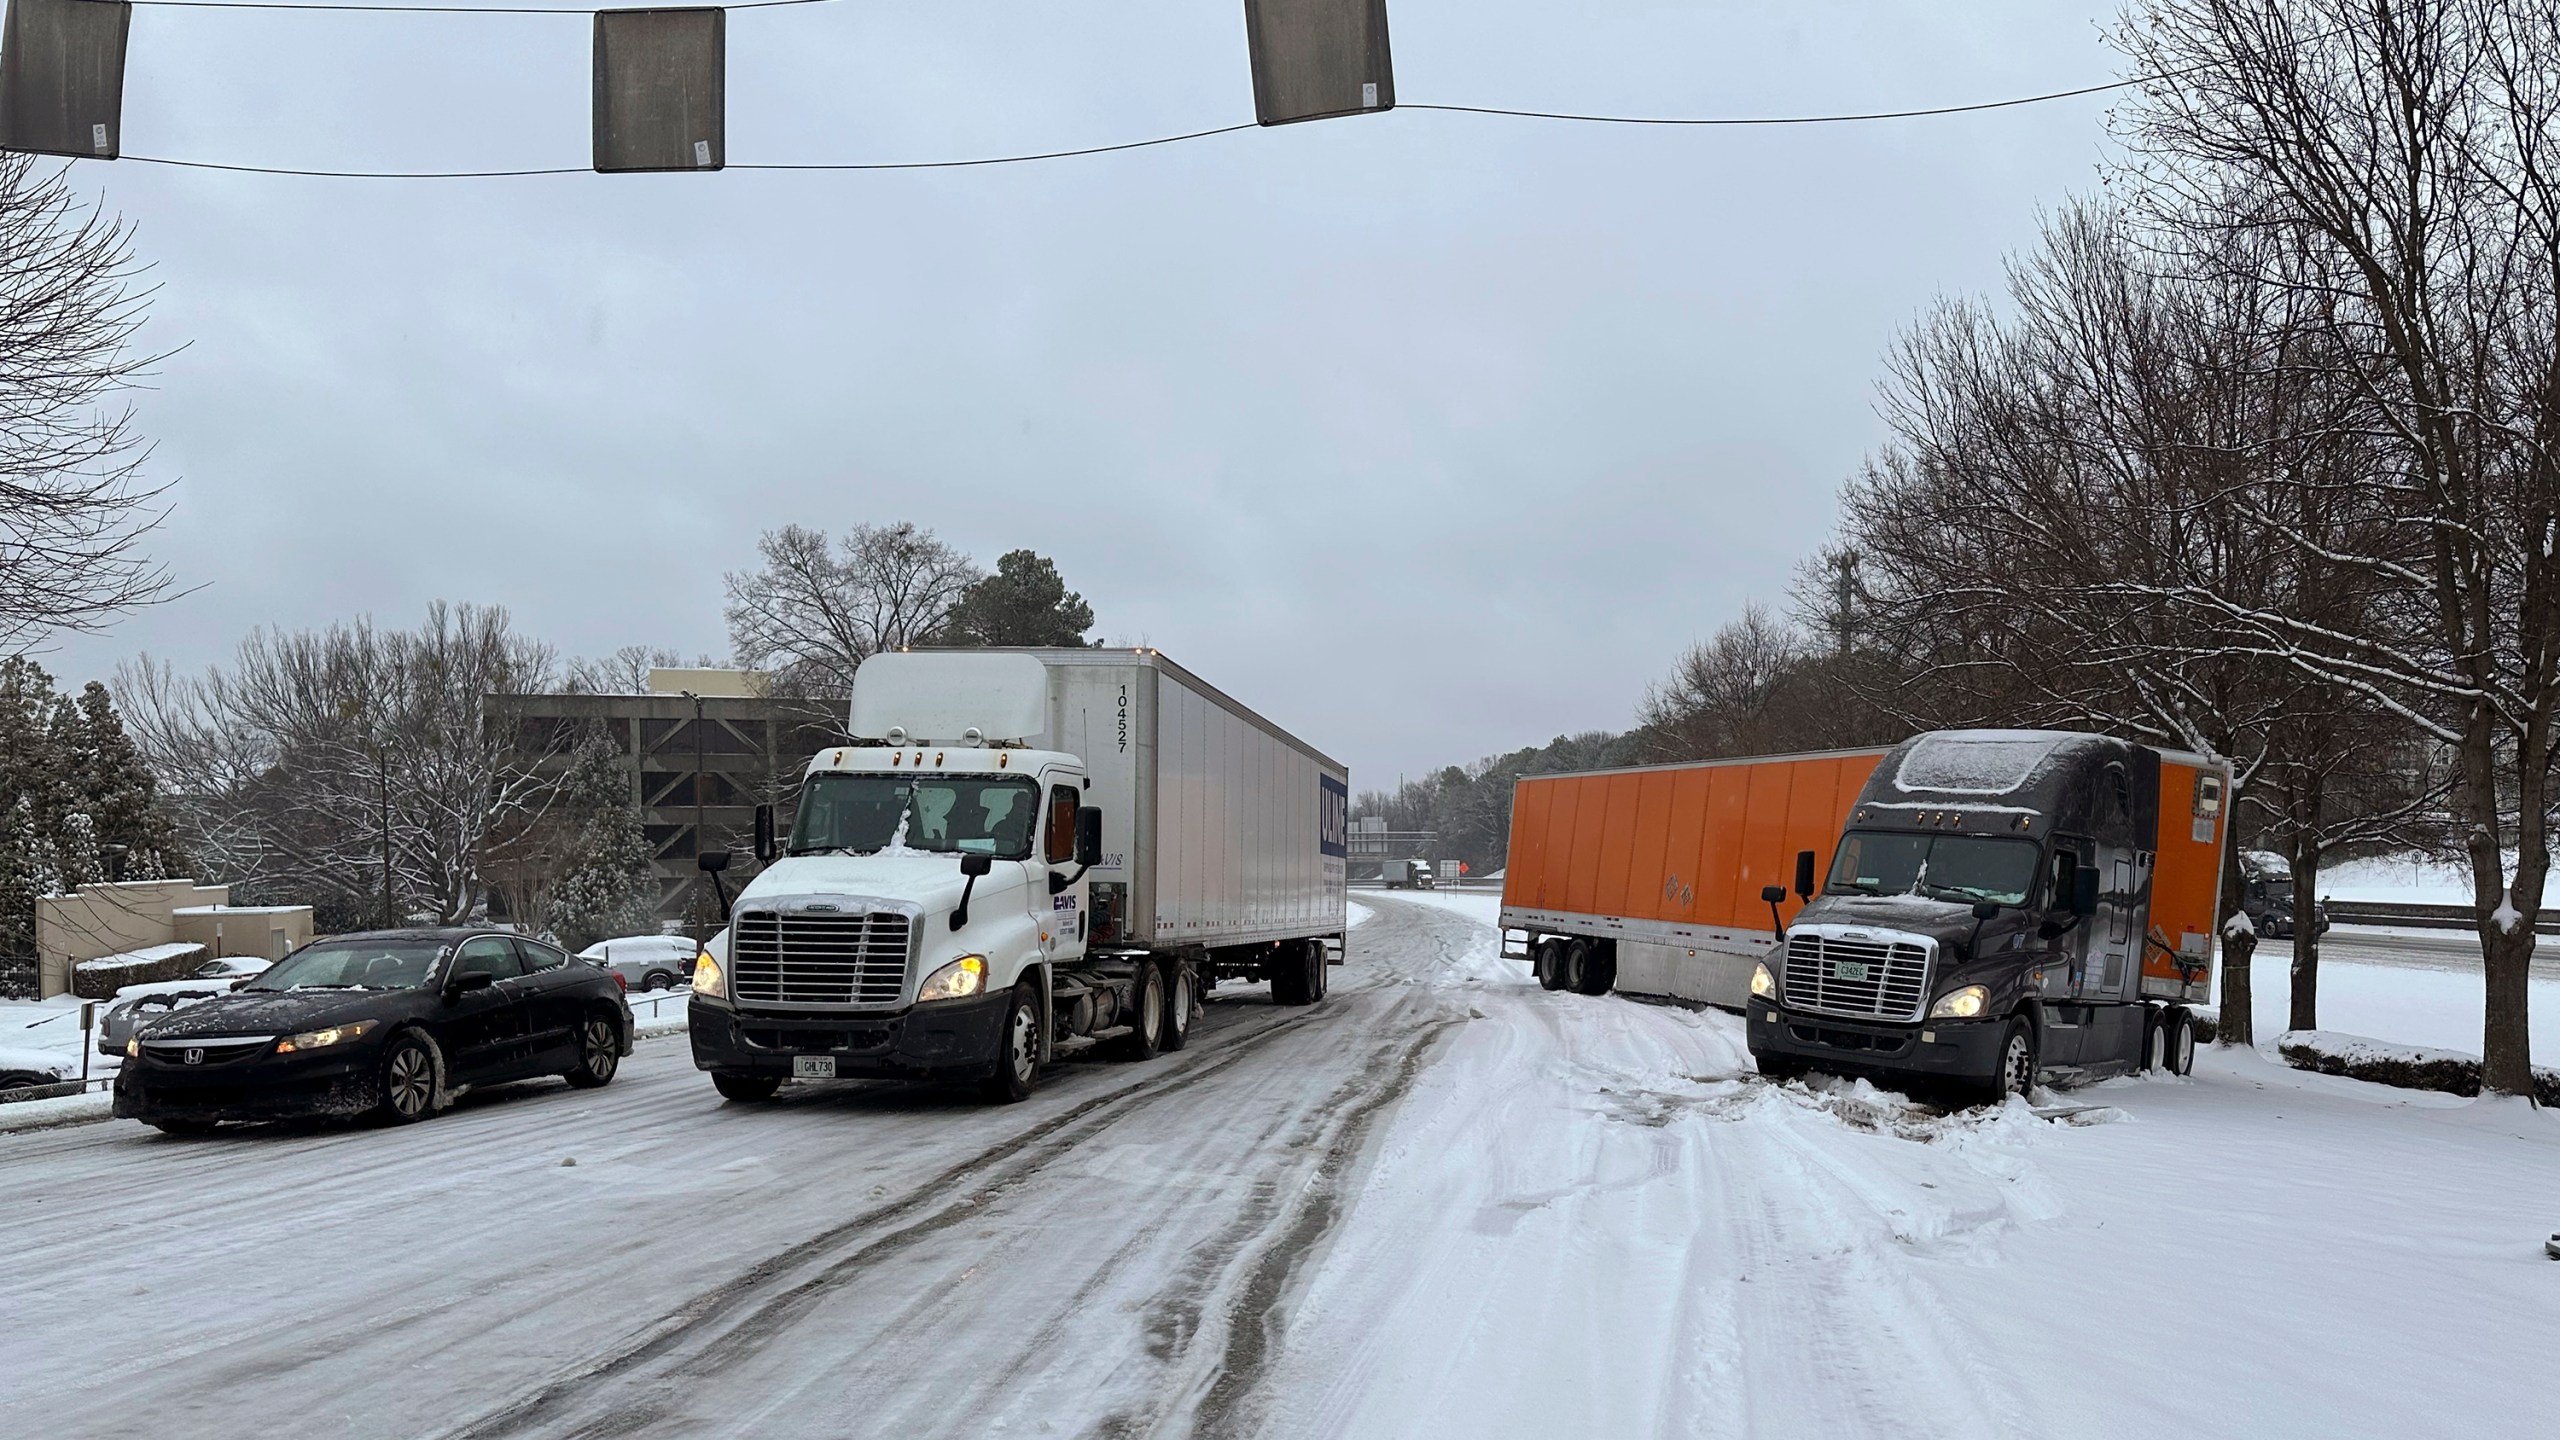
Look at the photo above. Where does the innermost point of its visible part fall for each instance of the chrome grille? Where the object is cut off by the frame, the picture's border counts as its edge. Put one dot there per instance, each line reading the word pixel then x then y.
pixel 805 959
pixel 1893 985
pixel 220 1050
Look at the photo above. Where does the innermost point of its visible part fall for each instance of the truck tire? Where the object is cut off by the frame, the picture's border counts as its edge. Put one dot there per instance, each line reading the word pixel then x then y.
pixel 746 1089
pixel 1146 1013
pixel 1549 964
pixel 1599 967
pixel 1289 976
pixel 1178 1000
pixel 2178 1047
pixel 1319 975
pixel 2155 1042
pixel 1577 955
pixel 2017 1072
pixel 1017 1049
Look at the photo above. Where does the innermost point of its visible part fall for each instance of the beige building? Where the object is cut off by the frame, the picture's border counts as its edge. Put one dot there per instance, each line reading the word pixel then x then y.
pixel 101 920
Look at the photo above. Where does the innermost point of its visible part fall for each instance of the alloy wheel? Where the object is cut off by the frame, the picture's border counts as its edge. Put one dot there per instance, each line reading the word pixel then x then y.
pixel 599 1039
pixel 412 1081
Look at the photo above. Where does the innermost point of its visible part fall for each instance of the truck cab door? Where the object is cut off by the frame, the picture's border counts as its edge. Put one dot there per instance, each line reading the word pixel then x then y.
pixel 2066 970
pixel 1063 916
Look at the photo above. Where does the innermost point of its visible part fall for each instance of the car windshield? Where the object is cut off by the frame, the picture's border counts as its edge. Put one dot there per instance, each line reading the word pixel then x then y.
pixel 1944 867
pixel 973 814
pixel 353 965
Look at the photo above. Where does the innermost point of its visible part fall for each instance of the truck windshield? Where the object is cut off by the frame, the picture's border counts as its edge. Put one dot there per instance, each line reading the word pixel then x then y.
pixel 973 814
pixel 1945 867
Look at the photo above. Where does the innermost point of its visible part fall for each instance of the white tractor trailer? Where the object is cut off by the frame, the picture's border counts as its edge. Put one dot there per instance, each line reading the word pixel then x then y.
pixel 1023 850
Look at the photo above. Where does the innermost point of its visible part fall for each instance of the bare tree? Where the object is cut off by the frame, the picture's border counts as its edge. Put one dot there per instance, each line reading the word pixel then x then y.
pixel 816 608
pixel 74 504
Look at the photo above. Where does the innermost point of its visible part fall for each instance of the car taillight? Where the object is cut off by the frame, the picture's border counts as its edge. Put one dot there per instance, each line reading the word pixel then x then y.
pixel 619 983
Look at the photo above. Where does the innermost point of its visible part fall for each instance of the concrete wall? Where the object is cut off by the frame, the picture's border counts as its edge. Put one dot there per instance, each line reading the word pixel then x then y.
pixel 268 932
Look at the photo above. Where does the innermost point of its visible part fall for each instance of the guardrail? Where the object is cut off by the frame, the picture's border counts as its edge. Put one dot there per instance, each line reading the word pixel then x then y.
pixel 2421 917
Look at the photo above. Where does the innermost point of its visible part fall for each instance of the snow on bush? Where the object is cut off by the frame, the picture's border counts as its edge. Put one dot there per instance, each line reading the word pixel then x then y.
pixel 101 978
pixel 2408 1067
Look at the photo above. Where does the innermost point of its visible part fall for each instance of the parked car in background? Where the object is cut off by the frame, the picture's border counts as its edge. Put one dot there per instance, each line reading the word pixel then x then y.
pixel 647 962
pixel 136 1003
pixel 21 1068
pixel 394 1023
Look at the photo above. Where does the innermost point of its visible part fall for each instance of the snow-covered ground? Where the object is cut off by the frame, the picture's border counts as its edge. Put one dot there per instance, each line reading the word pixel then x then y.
pixel 1442 1203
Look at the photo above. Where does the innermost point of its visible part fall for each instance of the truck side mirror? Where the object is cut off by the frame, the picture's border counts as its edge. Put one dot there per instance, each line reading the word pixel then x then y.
pixel 766 848
pixel 1804 874
pixel 974 865
pixel 711 863
pixel 1089 835
pixel 1773 894
pixel 2084 891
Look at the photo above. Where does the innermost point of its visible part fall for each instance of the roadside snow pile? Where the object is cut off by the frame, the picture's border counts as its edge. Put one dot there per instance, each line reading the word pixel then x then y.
pixel 2406 1067
pixel 101 978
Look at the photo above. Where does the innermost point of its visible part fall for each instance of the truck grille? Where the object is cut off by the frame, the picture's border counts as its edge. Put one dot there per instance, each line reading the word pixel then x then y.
pixel 1883 979
pixel 819 959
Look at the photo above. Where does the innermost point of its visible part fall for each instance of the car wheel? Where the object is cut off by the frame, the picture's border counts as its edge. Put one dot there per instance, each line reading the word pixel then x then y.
pixel 2179 1047
pixel 1146 1013
pixel 1018 1059
pixel 1178 1000
pixel 2017 1072
pixel 412 1078
pixel 746 1089
pixel 599 1052
pixel 658 980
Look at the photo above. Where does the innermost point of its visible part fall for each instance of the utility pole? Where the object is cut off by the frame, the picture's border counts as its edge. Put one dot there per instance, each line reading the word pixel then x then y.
pixel 382 770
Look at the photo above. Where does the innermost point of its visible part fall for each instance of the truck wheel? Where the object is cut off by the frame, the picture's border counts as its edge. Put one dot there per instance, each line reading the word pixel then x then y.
pixel 2178 1047
pixel 746 1089
pixel 2017 1072
pixel 1599 968
pixel 1178 1000
pixel 1018 1060
pixel 1549 964
pixel 1146 1013
pixel 2155 1042
pixel 1577 955
pixel 1319 974
pixel 1290 977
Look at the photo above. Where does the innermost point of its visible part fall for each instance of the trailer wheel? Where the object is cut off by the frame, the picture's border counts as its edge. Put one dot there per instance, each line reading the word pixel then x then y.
pixel 1319 976
pixel 1577 956
pixel 1146 1013
pixel 1550 964
pixel 1179 997
pixel 1289 977
pixel 1599 967
pixel 2179 1049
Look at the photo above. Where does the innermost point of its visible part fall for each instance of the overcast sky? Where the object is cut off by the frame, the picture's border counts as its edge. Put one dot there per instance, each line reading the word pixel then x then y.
pixel 1428 435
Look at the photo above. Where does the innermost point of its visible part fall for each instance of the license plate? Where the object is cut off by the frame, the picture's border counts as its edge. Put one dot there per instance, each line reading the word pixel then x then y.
pixel 1848 970
pixel 813 1067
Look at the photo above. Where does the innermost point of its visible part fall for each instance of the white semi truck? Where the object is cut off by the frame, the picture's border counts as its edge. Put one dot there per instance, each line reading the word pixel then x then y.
pixel 1022 850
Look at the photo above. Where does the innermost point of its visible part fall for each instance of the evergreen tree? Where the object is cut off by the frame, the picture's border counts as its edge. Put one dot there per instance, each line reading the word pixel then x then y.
pixel 118 791
pixel 1024 603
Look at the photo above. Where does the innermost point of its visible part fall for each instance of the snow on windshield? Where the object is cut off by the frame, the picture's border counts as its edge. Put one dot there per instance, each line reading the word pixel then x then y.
pixel 1974 762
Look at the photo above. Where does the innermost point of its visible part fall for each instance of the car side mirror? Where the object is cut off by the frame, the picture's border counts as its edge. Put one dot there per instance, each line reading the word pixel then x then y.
pixel 468 981
pixel 1089 835
pixel 2084 891
pixel 1804 874
pixel 766 846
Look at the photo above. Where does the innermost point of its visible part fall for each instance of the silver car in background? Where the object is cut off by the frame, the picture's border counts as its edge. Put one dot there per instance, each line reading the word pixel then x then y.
pixel 135 1004
pixel 646 962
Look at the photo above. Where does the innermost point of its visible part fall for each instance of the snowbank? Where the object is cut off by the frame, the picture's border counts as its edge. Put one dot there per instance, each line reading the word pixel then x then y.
pixel 2406 1067
pixel 60 1110
pixel 101 978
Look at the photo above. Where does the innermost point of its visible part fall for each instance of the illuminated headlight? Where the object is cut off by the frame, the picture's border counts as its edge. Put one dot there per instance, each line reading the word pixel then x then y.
pixel 1763 984
pixel 133 1048
pixel 958 980
pixel 318 1039
pixel 1961 1004
pixel 707 979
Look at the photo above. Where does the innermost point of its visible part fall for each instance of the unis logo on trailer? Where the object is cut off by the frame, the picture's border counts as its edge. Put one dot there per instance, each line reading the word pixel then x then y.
pixel 1334 818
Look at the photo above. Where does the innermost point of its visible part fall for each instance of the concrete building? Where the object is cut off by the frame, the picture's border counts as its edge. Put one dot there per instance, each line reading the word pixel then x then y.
pixel 97 921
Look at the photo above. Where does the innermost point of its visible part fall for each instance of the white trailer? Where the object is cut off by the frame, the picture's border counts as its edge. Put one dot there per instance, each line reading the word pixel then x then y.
pixel 1023 849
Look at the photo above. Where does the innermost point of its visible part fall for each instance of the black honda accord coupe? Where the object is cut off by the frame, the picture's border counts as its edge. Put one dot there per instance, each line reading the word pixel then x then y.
pixel 395 1023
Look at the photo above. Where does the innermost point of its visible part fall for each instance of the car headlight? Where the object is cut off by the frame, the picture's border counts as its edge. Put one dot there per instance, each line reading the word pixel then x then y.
pixel 958 980
pixel 707 979
pixel 133 1048
pixel 1763 984
pixel 318 1039
pixel 1961 1004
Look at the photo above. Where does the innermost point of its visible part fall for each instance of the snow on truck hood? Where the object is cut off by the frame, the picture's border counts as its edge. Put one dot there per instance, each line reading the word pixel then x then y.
pixel 932 881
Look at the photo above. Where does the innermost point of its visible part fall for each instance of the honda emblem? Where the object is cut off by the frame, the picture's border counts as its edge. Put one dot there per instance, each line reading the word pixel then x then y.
pixel 195 1056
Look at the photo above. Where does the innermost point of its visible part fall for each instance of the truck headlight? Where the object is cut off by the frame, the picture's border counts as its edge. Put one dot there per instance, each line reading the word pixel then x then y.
pixel 319 1039
pixel 133 1048
pixel 1763 984
pixel 958 980
pixel 1961 1004
pixel 707 979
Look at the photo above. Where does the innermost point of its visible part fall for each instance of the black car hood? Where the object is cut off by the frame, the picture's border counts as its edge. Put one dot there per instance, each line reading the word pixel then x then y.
pixel 269 1012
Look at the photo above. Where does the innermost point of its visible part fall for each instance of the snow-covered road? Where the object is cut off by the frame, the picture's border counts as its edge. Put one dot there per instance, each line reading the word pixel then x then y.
pixel 1444 1202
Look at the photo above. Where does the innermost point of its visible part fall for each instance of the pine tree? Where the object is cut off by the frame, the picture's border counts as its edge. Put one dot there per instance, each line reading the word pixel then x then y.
pixel 1024 603
pixel 118 790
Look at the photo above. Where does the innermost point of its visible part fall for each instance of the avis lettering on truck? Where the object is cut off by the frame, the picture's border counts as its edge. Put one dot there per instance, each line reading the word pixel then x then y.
pixel 1023 849
pixel 1978 907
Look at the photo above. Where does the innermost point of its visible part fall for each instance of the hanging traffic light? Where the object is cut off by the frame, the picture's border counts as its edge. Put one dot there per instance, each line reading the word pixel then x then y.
pixel 1318 58
pixel 62 77
pixel 661 89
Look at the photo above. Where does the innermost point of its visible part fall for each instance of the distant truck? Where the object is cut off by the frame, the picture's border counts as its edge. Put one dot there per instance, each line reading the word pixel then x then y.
pixel 1026 849
pixel 1408 875
pixel 1996 904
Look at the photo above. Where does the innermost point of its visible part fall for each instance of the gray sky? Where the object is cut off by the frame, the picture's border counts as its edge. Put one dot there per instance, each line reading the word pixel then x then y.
pixel 1429 435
